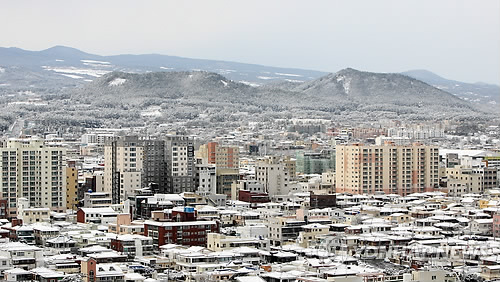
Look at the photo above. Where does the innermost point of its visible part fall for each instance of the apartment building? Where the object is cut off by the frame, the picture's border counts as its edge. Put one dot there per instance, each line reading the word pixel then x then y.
pixel 179 154
pixel 389 169
pixel 71 186
pixel 123 167
pixel 35 171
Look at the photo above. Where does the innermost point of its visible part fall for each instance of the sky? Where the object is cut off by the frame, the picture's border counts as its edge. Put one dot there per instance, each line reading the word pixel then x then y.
pixel 456 39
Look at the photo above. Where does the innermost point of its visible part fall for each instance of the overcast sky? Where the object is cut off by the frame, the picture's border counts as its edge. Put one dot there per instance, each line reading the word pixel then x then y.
pixel 455 39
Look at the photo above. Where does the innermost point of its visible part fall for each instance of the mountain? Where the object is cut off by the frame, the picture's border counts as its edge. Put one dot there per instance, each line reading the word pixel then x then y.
pixel 77 67
pixel 479 93
pixel 64 67
pixel 209 97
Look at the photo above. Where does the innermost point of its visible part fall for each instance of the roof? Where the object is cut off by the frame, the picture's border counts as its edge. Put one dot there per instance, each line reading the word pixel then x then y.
pixel 185 223
pixel 249 279
pixel 107 210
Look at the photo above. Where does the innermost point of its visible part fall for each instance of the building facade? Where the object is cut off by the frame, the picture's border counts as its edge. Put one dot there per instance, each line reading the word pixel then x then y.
pixel 123 167
pixel 35 171
pixel 389 169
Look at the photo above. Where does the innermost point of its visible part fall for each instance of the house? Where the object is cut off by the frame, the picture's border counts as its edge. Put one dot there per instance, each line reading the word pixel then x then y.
pixel 96 215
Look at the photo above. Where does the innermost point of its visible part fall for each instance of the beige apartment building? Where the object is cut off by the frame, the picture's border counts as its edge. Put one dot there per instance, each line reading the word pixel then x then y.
pixel 389 169
pixel 123 167
pixel 32 170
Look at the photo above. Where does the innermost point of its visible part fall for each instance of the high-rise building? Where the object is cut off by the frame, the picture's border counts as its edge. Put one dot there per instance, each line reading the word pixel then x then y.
pixel 34 171
pixel 71 186
pixel 275 173
pixel 389 168
pixel 179 155
pixel 155 165
pixel 123 167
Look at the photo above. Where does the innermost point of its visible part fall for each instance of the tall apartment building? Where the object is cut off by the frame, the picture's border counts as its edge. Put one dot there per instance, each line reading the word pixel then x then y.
pixel 179 155
pixel 71 186
pixel 123 167
pixel 275 173
pixel 220 155
pixel 155 165
pixel 32 170
pixel 389 168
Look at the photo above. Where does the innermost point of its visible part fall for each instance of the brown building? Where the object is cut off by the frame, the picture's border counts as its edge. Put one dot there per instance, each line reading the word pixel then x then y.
pixel 190 233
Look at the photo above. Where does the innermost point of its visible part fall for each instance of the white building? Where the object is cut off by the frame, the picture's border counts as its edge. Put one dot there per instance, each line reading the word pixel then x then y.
pixel 35 171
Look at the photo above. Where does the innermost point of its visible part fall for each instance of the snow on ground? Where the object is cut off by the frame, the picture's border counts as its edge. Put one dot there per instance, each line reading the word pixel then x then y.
pixel 165 68
pixel 288 74
pixel 73 70
pixel 95 62
pixel 2 70
pixel 223 82
pixel 223 71
pixel 4 84
pixel 249 83
pixel 294 80
pixel 71 76
pixel 59 60
pixel 117 81
pixel 153 111
pixel 266 77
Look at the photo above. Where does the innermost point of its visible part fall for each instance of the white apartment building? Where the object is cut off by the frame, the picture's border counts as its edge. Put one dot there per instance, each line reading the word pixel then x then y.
pixel 32 170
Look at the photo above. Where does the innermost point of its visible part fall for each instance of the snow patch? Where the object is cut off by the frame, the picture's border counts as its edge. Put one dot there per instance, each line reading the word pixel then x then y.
pixel 153 111
pixel 59 60
pixel 117 81
pixel 249 83
pixel 73 70
pixel 223 82
pixel 95 62
pixel 294 80
pixel 71 76
pixel 266 77
pixel 165 68
pixel 2 70
pixel 288 74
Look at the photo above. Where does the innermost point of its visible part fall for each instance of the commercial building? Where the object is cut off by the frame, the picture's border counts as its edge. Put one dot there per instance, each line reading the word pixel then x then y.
pixel 222 156
pixel 315 162
pixel 191 233
pixel 275 173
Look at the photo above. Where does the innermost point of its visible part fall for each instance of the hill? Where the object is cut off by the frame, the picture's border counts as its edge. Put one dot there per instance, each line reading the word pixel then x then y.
pixel 486 95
